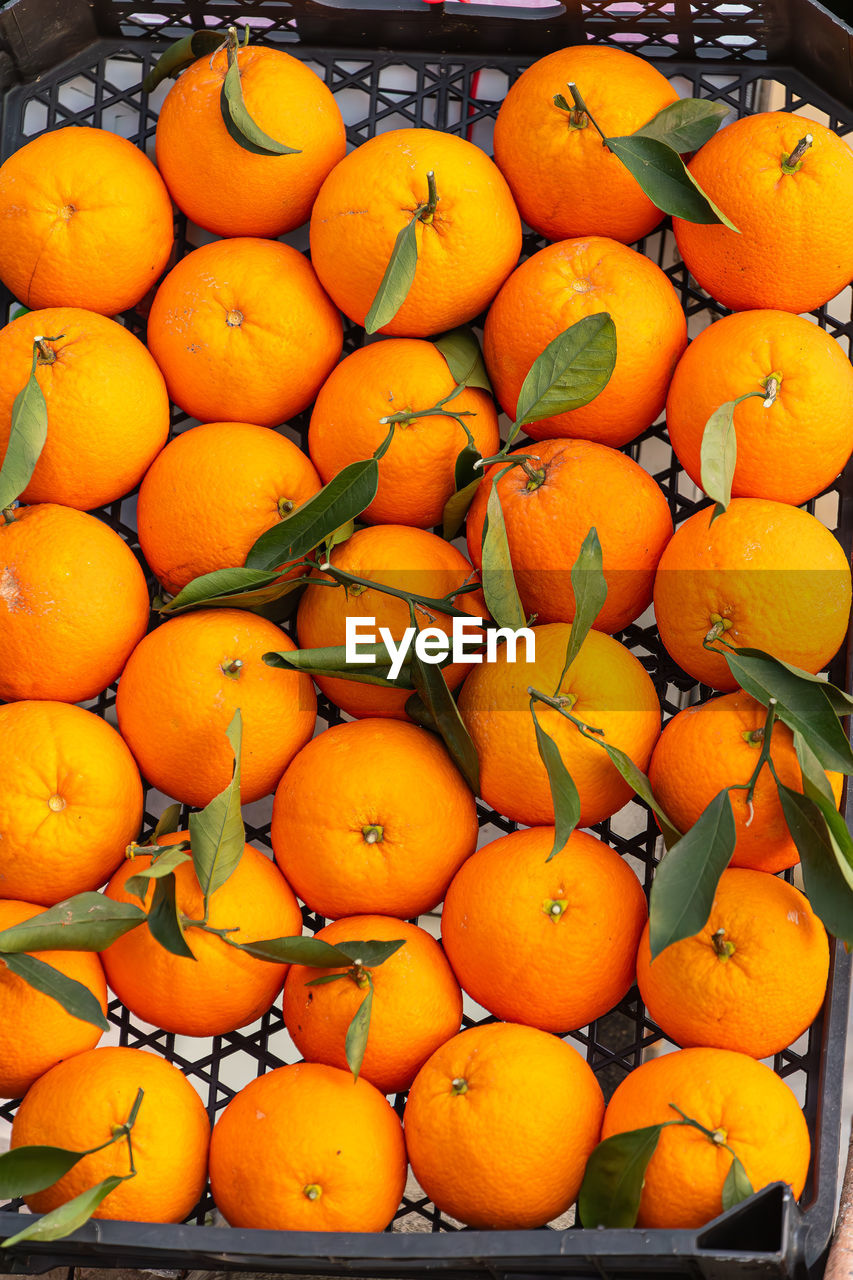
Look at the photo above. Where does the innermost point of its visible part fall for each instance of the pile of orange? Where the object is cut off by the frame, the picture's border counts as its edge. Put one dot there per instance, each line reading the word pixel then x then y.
pixel 372 820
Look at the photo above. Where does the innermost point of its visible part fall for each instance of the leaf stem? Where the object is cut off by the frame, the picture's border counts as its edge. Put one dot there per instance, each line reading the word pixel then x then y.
pixel 580 105
pixel 432 196
pixel 791 163
pixel 763 758
pixel 558 703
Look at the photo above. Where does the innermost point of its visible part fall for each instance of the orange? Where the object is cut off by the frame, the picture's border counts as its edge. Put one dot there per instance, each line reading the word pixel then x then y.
pixel 223 988
pixel 396 556
pixel 562 284
pixel 243 332
pixel 549 944
pixel 85 221
pixel 304 1148
pixel 212 492
pixel 714 744
pixel 465 250
pixel 78 1104
pixel 70 801
pixel 222 186
pixel 764 575
pixel 73 604
pixel 35 1031
pixel 753 979
pixel 549 506
pixel 107 408
pixel 779 259
pixel 372 816
pixel 416 474
pixel 754 1109
pixel 500 1123
pixel 606 688
pixel 565 182
pixel 417 1004
pixel 789 450
pixel 180 690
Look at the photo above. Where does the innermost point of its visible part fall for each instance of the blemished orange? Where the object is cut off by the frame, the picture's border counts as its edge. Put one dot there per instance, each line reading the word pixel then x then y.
pixel 372 816
pixel 222 988
pixel 85 221
pixel 465 249
pixel 35 1031
pixel 500 1123
pixel 562 284
pixel 73 604
pixel 78 1104
pixel 722 1090
pixel 107 407
pixel 565 181
pixel 764 575
pixel 606 687
pixel 70 800
pixel 396 556
pixel 416 1005
pixel 180 690
pixel 243 332
pixel 549 505
pixel 789 449
pixel 551 944
pixel 753 979
pixel 218 183
pixel 416 474
pixel 777 260
pixel 212 492
pixel 715 744
pixel 306 1148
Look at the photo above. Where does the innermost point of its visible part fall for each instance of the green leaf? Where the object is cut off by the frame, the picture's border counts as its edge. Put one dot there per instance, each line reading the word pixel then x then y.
pixel 466 469
pixel 240 124
pixel 357 1033
pixel 87 922
pixel 431 685
pixel 737 1185
pixel 719 455
pixel 27 435
pixel 168 823
pixel 331 662
pixel 397 281
pixel 573 369
pixel 496 574
pixel 817 787
pixel 337 536
pixel 217 834
pixel 461 350
pixel 686 879
pixel 181 54
pixel 685 125
pixel 311 951
pixel 827 879
pixel 666 180
pixel 342 499
pixel 69 1216
pixel 228 587
pixel 564 793
pixel 17 311
pixel 164 919
pixel 74 997
pixel 26 1170
pixel 456 507
pixel 590 591
pixel 369 954
pixel 637 780
pixel 613 1182
pixel 161 866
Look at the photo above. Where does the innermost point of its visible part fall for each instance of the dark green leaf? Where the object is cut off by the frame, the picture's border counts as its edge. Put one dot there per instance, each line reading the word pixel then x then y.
pixel 18 311
pixel 466 469
pixel 397 281
pixel 337 536
pixel 719 454
pixel 357 1033
pixel 461 350
pixel 69 1216
pixel 496 574
pixel 74 997
pixel 666 180
pixel 572 370
pixel 228 587
pixel 369 954
pixel 841 703
pixel 240 124
pixel 613 1182
pixel 456 507
pixel 326 978
pixel 817 787
pixel 332 662
pixel 27 435
pixel 161 866
pixel 86 922
pixel 827 878
pixel 217 834
pixel 342 499
pixel 168 823
pixel 685 125
pixel 430 683
pixel 643 788
pixel 590 591
pixel 564 793
pixel 26 1170
pixel 737 1185
pixel 311 951
pixel 686 880
pixel 164 919
pixel 181 54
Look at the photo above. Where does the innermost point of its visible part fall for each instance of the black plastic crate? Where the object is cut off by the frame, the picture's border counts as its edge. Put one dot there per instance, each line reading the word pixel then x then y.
pixel 409 63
